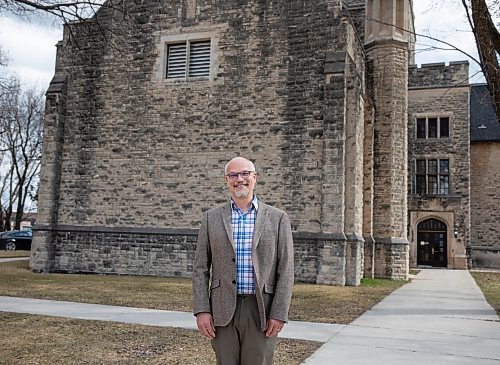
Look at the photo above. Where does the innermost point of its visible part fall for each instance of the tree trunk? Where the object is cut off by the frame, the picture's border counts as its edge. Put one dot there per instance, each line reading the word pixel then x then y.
pixel 488 44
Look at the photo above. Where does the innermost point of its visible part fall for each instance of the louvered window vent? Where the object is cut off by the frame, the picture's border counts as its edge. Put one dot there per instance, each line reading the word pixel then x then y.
pixel 189 59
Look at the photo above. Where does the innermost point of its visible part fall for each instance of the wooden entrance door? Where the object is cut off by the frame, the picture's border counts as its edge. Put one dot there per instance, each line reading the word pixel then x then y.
pixel 432 243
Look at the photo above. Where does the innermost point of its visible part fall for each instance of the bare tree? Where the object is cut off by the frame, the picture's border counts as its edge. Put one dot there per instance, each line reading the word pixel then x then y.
pixel 79 15
pixel 3 64
pixel 21 123
pixel 66 10
pixel 478 13
pixel 487 38
pixel 481 15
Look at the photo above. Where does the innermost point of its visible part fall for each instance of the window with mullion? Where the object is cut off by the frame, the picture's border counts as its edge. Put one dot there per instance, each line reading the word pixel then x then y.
pixel 432 128
pixel 189 59
pixel 444 179
pixel 421 185
pixel 432 184
pixel 421 177
pixel 444 127
pixel 432 167
pixel 432 177
pixel 444 185
pixel 436 127
pixel 421 128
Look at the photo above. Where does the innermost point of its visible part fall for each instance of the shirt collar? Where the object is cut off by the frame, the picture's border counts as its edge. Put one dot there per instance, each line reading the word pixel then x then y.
pixel 254 205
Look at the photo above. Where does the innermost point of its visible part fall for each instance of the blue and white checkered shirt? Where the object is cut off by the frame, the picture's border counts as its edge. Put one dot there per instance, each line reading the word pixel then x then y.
pixel 243 225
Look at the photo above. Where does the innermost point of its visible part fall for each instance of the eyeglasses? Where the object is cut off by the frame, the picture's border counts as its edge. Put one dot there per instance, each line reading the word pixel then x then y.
pixel 234 175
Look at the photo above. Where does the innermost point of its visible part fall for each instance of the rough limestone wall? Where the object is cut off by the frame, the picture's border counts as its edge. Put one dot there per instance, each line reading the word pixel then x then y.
pixel 142 152
pixel 369 246
pixel 443 101
pixel 354 159
pixel 439 74
pixel 43 250
pixel 485 212
pixel 388 71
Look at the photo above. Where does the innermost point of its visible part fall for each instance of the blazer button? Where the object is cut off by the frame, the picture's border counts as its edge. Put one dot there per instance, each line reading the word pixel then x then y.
pixel 234 260
pixel 234 281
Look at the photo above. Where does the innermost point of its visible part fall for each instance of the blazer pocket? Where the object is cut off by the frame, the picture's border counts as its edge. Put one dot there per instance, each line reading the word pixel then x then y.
pixel 215 284
pixel 269 289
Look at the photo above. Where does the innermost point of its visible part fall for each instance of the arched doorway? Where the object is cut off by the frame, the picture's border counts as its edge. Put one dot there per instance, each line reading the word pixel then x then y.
pixel 432 243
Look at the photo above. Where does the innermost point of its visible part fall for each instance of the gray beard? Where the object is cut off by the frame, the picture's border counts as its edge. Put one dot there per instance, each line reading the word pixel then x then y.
pixel 242 193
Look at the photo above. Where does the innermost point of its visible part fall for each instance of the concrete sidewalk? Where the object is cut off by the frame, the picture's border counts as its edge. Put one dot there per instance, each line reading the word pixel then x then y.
pixel 320 332
pixel 440 317
pixel 8 259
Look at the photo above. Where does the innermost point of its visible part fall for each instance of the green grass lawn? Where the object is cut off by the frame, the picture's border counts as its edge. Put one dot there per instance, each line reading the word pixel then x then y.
pixel 47 340
pixel 43 340
pixel 316 303
pixel 489 282
pixel 10 254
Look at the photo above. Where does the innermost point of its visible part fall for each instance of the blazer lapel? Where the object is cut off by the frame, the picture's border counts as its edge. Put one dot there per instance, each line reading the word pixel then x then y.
pixel 226 218
pixel 259 224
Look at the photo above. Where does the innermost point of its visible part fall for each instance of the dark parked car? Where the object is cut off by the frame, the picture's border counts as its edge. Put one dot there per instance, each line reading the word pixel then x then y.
pixel 15 240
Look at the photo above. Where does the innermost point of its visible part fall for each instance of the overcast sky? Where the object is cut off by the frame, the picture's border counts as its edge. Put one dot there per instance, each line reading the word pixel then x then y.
pixel 31 47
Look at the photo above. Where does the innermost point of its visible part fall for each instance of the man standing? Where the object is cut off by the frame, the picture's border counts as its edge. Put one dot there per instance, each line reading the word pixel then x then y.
pixel 243 272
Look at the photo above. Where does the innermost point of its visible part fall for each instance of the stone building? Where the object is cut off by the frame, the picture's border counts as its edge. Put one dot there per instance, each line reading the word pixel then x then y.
pixel 439 165
pixel 485 180
pixel 144 110
pixel 454 147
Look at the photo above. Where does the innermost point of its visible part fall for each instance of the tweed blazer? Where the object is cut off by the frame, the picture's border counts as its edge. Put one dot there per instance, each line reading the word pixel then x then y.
pixel 214 269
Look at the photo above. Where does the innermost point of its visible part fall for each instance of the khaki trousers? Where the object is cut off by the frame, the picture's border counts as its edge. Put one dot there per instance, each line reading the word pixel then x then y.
pixel 242 342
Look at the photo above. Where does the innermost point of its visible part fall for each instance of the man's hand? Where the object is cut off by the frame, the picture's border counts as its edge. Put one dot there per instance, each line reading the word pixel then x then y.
pixel 274 326
pixel 205 324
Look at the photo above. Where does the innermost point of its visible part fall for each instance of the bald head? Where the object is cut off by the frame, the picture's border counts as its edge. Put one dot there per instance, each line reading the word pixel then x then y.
pixel 239 161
